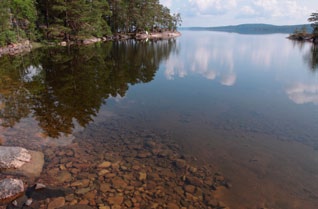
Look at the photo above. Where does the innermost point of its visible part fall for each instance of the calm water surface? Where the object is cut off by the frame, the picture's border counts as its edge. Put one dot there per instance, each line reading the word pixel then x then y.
pixel 244 104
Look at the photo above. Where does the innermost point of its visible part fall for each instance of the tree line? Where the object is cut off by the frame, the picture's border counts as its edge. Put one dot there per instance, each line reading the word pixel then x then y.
pixel 68 20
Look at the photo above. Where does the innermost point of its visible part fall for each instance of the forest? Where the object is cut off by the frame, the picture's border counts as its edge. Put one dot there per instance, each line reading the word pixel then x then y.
pixel 72 20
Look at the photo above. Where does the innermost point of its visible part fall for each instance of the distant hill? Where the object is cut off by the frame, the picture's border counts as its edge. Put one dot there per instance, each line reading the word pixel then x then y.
pixel 253 28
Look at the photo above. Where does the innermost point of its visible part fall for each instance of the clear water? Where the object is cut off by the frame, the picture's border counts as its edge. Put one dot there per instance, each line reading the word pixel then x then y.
pixel 244 104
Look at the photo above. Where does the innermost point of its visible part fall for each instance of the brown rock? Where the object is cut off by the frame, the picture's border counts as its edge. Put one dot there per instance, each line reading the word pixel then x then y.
pixel 104 187
pixel 64 176
pixel 82 191
pixel 105 164
pixel 142 176
pixel 76 207
pixel 180 163
pixel 190 189
pixel 56 203
pixel 143 154
pixel 83 202
pixel 172 206
pixel 103 172
pixel 118 183
pixel 80 183
pixel 90 195
pixel 116 200
pixel 193 169
pixel 128 203
pixel 109 175
pixel 194 181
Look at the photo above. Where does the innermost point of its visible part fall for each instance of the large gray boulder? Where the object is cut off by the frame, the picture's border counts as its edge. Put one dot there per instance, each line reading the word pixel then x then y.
pixel 13 157
pixel 10 189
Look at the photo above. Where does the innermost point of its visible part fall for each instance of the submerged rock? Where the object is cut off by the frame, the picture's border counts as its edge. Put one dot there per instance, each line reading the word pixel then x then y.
pixel 13 157
pixel 32 168
pixel 35 166
pixel 10 189
pixel 56 203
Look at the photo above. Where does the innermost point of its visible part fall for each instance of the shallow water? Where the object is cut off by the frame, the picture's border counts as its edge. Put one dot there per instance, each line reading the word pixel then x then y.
pixel 244 106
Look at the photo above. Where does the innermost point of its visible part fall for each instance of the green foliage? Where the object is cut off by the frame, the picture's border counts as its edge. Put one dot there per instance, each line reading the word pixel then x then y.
pixel 17 20
pixel 57 20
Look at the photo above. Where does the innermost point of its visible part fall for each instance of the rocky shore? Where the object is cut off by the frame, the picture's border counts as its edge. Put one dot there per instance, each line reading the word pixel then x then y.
pixel 118 169
pixel 26 46
pixel 17 48
pixel 304 37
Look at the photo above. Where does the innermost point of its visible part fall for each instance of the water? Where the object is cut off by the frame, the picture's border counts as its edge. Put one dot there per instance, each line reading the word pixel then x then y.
pixel 241 105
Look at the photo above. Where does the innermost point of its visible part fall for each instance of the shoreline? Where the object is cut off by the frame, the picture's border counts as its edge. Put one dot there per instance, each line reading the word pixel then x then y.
pixel 304 37
pixel 27 45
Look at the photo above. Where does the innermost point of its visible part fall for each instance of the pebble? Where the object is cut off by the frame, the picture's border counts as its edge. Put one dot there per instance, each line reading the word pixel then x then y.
pixel 116 200
pixel 15 203
pixel 105 164
pixel 38 186
pixel 63 176
pixel 56 203
pixel 189 188
pixel 82 191
pixel 180 163
pixel 142 176
pixel 28 202
pixel 81 183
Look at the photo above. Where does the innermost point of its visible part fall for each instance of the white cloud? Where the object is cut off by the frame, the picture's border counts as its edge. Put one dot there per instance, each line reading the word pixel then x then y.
pixel 167 3
pixel 247 11
pixel 273 10
pixel 212 6
pixel 231 12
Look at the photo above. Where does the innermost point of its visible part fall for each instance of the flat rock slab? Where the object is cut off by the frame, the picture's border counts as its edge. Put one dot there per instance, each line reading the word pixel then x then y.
pixel 33 168
pixel 10 189
pixel 13 157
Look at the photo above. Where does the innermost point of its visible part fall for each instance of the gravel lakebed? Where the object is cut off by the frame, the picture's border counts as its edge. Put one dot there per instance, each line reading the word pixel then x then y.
pixel 119 168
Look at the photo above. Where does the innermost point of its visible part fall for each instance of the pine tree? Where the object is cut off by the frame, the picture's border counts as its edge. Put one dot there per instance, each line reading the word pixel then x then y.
pixel 6 35
pixel 314 20
pixel 17 20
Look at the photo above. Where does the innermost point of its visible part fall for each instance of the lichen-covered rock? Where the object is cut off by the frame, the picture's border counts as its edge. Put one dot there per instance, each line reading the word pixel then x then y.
pixel 10 189
pixel 13 157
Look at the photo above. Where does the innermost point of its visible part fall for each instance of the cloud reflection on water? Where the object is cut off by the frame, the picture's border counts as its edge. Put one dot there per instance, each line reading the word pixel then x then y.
pixel 225 57
pixel 301 93
pixel 204 60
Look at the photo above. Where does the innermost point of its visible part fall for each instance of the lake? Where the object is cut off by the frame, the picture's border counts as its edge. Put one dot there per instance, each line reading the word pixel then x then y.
pixel 206 120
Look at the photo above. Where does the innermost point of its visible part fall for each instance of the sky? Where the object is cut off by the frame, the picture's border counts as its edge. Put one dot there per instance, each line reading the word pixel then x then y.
pixel 207 13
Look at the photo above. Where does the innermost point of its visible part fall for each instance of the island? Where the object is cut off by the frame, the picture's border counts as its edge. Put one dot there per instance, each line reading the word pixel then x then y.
pixel 303 35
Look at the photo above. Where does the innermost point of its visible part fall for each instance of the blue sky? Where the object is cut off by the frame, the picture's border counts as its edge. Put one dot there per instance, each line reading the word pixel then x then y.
pixel 234 12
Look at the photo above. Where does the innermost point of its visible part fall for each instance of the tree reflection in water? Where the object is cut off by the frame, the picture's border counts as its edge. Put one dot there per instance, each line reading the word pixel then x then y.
pixel 63 86
pixel 311 57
